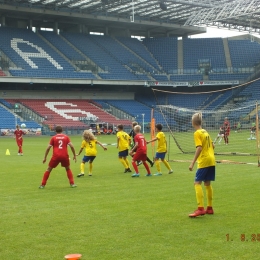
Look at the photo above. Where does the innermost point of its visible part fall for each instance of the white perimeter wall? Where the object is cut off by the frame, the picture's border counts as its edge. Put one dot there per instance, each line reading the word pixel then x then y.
pixel 24 94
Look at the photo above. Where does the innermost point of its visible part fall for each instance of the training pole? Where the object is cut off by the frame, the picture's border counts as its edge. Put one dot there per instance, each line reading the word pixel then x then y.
pixel 169 148
pixel 257 133
pixel 152 128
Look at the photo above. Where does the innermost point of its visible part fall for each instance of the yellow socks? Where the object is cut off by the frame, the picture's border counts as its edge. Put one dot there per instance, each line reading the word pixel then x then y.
pixel 167 164
pixel 123 162
pixel 82 168
pixel 127 163
pixel 158 167
pixel 209 192
pixel 90 168
pixel 199 195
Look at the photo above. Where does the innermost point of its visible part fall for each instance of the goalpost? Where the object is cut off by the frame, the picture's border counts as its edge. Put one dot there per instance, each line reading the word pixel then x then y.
pixel 241 146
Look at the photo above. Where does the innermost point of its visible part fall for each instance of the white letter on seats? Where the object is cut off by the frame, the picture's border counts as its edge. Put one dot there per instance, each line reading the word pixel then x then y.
pixel 64 112
pixel 27 55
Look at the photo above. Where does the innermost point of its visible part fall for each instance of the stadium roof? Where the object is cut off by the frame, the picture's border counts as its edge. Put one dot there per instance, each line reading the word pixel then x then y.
pixel 241 15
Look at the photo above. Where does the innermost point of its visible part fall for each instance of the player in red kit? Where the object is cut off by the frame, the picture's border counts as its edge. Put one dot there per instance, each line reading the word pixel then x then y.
pixel 18 135
pixel 59 143
pixel 226 130
pixel 140 150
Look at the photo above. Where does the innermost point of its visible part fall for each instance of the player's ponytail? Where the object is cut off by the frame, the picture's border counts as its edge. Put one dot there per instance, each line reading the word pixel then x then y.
pixel 197 119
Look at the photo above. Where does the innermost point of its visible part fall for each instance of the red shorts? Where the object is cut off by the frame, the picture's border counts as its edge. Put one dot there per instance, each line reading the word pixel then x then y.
pixel 54 162
pixel 140 156
pixel 19 142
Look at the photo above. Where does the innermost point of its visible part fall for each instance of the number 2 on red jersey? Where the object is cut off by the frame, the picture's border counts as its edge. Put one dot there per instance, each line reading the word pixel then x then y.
pixel 60 144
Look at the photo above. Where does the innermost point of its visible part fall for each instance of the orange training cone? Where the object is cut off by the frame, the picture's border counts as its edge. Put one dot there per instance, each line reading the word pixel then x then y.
pixel 73 256
pixel 7 152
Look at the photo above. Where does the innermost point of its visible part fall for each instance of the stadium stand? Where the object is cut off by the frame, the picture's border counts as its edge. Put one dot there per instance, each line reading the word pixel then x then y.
pixel 252 92
pixel 208 48
pixel 190 101
pixel 229 76
pixel 67 112
pixel 6 103
pixel 8 120
pixel 220 101
pixel 133 108
pixel 2 74
pixel 63 46
pixel 124 56
pixel 140 49
pixel 187 77
pixel 187 101
pixel 34 57
pixel 113 69
pixel 160 77
pixel 165 52
pixel 244 53
pixel 210 98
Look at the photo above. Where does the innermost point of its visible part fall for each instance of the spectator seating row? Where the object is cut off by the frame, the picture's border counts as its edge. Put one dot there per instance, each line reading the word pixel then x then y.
pixel 34 57
pixel 68 112
pixel 8 120
pixel 244 53
pixel 123 58
pixel 165 50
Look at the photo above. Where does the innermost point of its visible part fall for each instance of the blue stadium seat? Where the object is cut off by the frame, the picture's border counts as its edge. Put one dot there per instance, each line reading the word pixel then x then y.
pixel 165 51
pixel 208 48
pixel 102 57
pixel 18 43
pixel 140 49
pixel 7 120
pixel 244 53
pixel 230 76
pixel 187 77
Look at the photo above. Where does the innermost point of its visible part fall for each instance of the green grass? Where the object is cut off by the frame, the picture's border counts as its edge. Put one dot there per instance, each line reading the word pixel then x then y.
pixel 112 216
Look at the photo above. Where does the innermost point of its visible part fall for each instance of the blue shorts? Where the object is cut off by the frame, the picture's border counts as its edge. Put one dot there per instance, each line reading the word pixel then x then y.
pixel 160 156
pixel 88 158
pixel 123 153
pixel 205 174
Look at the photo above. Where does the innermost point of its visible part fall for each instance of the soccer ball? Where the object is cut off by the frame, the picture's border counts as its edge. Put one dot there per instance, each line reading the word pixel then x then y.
pixel 23 125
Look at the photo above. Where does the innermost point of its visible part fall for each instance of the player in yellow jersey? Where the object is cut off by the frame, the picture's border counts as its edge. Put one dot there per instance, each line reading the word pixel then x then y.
pixel 123 143
pixel 161 150
pixel 89 144
pixel 205 158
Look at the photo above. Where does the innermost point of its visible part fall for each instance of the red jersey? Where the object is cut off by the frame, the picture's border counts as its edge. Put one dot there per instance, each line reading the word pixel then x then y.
pixel 227 126
pixel 60 143
pixel 140 140
pixel 18 134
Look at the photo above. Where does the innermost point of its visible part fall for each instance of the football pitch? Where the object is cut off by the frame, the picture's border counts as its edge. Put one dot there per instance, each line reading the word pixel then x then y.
pixel 113 216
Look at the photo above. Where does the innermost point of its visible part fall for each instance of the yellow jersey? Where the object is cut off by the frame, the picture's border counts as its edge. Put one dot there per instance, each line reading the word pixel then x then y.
pixel 206 157
pixel 161 145
pixel 90 147
pixel 124 140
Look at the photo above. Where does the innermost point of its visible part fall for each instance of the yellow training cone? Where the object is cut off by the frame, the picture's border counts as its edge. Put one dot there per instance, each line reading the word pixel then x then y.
pixel 7 152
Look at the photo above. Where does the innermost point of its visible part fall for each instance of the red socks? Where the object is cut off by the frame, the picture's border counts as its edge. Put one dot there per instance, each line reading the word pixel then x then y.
pixel 135 167
pixel 45 178
pixel 70 176
pixel 47 174
pixel 147 167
